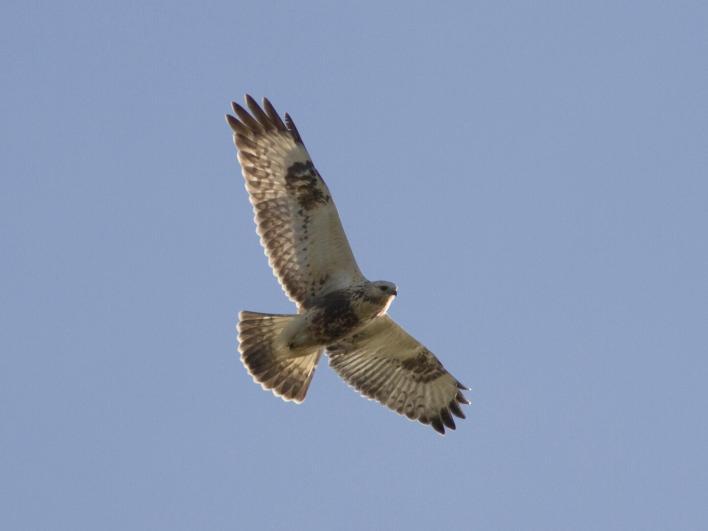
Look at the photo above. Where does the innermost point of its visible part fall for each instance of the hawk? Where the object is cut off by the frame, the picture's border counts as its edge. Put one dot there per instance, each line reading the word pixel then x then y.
pixel 338 310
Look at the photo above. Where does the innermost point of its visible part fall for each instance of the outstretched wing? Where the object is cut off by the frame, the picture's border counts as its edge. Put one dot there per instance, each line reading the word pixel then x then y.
pixel 385 363
pixel 295 215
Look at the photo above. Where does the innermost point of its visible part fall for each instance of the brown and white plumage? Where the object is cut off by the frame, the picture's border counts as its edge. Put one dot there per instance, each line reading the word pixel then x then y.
pixel 385 363
pixel 295 215
pixel 338 308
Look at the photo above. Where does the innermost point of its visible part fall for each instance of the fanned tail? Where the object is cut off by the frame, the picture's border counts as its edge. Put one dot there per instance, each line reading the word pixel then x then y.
pixel 269 361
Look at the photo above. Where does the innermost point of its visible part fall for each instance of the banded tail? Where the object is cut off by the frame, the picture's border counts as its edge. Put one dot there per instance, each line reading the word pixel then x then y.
pixel 269 361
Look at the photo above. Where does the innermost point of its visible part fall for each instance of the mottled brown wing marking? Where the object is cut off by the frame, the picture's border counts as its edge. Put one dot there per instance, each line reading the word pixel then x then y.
pixel 303 182
pixel 424 367
pixel 295 216
pixel 386 364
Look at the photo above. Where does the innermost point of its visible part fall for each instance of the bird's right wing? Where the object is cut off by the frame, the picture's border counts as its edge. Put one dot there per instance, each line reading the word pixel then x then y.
pixel 383 362
pixel 295 215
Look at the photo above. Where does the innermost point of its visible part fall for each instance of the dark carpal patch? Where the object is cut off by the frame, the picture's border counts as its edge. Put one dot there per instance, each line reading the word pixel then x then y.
pixel 304 182
pixel 424 366
pixel 335 318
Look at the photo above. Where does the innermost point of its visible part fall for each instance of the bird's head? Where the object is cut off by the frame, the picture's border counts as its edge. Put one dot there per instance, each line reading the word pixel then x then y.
pixel 383 291
pixel 385 288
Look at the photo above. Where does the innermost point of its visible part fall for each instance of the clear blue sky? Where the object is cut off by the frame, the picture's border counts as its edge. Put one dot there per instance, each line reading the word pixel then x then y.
pixel 532 175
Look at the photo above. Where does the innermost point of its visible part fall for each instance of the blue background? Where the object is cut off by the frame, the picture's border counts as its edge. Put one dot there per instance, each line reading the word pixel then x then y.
pixel 532 175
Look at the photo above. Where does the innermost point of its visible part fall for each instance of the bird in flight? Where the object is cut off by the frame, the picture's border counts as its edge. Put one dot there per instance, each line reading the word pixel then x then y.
pixel 338 310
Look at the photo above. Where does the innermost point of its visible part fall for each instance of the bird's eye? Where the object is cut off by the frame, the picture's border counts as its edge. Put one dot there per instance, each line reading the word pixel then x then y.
pixel 382 288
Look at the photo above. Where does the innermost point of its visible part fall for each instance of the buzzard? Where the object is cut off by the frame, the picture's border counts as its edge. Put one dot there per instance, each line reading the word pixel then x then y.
pixel 338 310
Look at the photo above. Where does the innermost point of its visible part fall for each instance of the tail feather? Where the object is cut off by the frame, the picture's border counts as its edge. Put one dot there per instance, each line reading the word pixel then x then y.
pixel 269 361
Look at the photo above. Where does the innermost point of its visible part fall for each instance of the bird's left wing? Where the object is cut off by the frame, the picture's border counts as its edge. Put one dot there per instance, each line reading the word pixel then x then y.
pixel 295 214
pixel 383 362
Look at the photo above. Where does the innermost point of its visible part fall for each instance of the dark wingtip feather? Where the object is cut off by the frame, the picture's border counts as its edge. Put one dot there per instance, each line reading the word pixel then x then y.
pixel 447 418
pixel 438 425
pixel 273 115
pixel 461 398
pixel 246 118
pixel 249 100
pixel 293 130
pixel 258 113
pixel 456 410
pixel 235 125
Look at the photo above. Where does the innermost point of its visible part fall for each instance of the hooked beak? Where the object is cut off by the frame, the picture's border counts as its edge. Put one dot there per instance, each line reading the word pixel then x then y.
pixel 395 292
